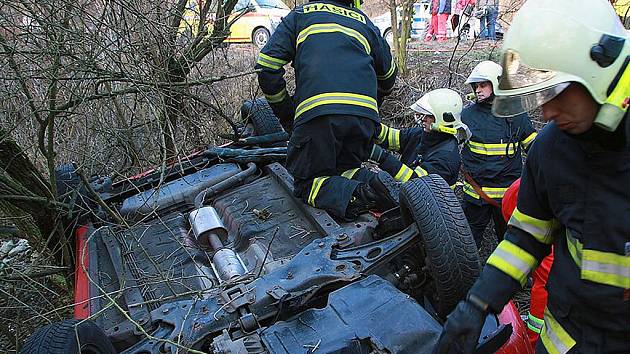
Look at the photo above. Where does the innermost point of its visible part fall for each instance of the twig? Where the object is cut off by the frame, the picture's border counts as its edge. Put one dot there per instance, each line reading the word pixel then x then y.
pixel 119 220
pixel 267 252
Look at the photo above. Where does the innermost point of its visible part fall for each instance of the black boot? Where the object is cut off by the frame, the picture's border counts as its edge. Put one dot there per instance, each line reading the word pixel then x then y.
pixel 376 195
pixel 364 198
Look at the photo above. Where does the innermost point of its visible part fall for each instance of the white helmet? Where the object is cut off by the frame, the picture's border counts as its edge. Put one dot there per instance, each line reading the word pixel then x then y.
pixel 554 42
pixel 445 105
pixel 486 71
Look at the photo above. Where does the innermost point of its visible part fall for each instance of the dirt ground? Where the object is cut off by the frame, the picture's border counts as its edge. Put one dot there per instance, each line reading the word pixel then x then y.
pixel 27 303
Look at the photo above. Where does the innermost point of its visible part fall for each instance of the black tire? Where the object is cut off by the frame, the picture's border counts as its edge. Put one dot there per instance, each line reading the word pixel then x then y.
pixel 260 37
pixel 259 114
pixel 61 338
pixel 449 248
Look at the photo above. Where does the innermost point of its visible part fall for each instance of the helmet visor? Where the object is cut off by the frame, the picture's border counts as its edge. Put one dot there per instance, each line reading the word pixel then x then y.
pixel 517 75
pixel 419 109
pixel 527 84
pixel 508 106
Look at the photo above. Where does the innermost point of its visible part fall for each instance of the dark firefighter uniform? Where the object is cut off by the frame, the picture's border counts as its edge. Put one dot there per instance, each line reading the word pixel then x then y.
pixel 574 194
pixel 421 153
pixel 343 68
pixel 492 157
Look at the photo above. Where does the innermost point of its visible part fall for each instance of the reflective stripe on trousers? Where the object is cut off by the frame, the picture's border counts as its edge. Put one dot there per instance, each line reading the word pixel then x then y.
pixel 350 173
pixel 555 338
pixel 315 187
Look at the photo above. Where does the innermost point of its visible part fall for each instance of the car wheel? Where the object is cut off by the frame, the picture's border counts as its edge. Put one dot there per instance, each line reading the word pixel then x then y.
pixel 68 337
pixel 389 36
pixel 259 114
pixel 260 37
pixel 450 254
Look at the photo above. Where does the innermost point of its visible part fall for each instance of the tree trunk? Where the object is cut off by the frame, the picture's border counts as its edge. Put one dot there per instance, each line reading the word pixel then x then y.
pixel 401 31
pixel 26 201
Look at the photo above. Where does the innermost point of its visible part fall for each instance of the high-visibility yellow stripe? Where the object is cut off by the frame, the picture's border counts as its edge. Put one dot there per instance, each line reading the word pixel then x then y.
pixel 350 173
pixel 420 171
pixel 272 59
pixel 600 267
pixel 575 248
pixel 491 149
pixel 554 338
pixel 404 174
pixel 542 230
pixel 333 28
pixel 513 261
pixel 606 268
pixel 525 143
pixel 389 73
pixel 492 192
pixel 270 62
pixel 382 135
pixel 317 184
pixel 393 139
pixel 278 97
pixel 336 98
pixel 534 323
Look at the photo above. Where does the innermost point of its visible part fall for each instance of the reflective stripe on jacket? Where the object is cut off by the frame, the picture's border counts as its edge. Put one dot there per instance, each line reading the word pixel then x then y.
pixel 423 152
pixel 493 155
pixel 342 63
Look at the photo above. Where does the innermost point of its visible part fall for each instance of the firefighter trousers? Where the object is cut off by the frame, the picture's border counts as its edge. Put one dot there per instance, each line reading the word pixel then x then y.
pixel 575 334
pixel 324 156
pixel 478 218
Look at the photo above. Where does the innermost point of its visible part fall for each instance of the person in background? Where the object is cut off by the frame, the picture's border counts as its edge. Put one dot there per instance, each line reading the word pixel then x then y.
pixel 492 158
pixel 440 10
pixel 463 10
pixel 488 11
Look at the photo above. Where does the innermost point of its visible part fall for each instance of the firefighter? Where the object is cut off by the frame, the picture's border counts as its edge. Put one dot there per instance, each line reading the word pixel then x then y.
pixel 432 146
pixel 492 157
pixel 343 69
pixel 574 191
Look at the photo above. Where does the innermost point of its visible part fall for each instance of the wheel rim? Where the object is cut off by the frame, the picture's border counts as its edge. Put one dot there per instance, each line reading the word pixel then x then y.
pixel 260 38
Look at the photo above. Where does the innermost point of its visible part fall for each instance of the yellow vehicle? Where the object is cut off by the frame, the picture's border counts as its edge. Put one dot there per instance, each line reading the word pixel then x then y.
pixel 256 26
pixel 622 7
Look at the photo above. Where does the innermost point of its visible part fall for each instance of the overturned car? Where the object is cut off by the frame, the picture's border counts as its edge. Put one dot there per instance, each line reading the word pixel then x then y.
pixel 216 255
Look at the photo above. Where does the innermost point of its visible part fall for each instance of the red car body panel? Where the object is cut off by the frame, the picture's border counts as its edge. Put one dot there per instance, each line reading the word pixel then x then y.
pixel 518 342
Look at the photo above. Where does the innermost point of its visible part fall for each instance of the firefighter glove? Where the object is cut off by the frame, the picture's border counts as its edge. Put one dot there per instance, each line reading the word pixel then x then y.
pixel 462 328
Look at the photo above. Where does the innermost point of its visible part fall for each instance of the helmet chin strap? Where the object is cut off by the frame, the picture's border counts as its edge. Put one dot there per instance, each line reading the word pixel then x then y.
pixel 613 110
pixel 435 127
